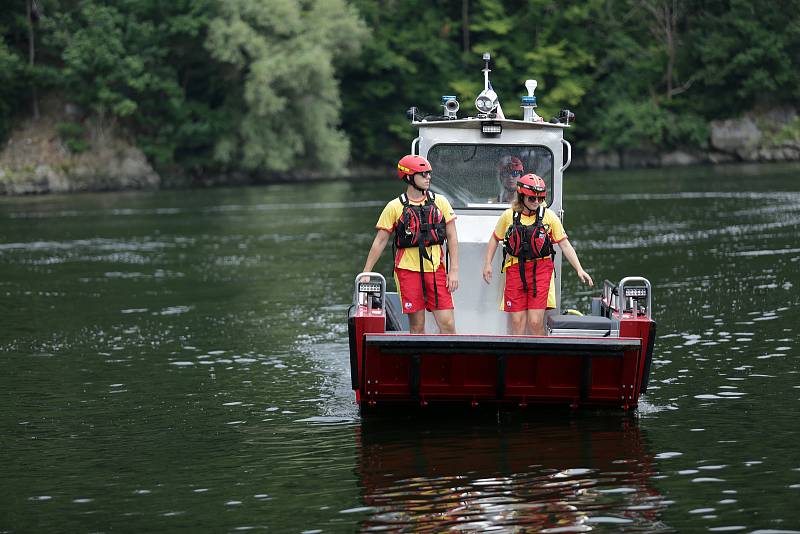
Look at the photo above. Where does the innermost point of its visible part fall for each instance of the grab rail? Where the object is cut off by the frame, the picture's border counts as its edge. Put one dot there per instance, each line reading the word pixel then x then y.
pixel 622 297
pixel 365 292
pixel 629 299
pixel 569 155
pixel 414 144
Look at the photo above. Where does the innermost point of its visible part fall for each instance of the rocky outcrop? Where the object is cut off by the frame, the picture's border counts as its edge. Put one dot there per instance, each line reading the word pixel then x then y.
pixel 35 160
pixel 678 158
pixel 637 157
pixel 735 136
pixel 772 135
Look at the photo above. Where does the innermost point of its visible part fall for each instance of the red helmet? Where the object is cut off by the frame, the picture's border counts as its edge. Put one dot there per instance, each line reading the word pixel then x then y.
pixel 532 186
pixel 411 165
pixel 512 164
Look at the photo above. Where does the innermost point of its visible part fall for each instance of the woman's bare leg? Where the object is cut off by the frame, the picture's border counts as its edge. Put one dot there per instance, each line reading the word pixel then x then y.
pixel 536 322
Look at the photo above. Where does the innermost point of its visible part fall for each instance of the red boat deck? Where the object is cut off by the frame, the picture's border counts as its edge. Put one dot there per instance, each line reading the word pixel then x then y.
pixel 498 369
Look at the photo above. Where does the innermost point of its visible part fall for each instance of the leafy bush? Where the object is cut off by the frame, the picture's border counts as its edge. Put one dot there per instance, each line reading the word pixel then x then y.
pixel 72 135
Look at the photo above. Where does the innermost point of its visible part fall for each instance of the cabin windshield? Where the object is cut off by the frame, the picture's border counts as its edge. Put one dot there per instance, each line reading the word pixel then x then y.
pixel 471 175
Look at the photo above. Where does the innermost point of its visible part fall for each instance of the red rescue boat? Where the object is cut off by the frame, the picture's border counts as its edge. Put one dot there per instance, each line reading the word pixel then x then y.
pixel 599 359
pixel 591 360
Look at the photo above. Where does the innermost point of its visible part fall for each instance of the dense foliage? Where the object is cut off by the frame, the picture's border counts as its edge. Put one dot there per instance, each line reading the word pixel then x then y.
pixel 276 85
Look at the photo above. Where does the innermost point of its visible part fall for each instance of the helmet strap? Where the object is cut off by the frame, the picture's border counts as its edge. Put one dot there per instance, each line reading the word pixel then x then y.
pixel 525 210
pixel 413 183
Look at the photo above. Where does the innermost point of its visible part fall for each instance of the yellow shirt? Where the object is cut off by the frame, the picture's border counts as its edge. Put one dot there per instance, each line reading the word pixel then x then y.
pixel 554 227
pixel 408 258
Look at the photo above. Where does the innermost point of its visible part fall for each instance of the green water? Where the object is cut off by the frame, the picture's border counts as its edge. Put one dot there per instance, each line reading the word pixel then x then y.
pixel 178 361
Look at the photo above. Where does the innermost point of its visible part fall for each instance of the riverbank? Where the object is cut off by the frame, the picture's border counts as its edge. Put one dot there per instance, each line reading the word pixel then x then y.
pixel 46 156
pixel 41 156
pixel 757 137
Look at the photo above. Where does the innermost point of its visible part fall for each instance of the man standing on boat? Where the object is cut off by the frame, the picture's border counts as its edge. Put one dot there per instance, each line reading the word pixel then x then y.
pixel 511 170
pixel 421 222
pixel 529 231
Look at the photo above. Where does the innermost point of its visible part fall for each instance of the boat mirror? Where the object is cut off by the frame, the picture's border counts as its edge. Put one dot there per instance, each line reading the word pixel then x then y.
pixel 566 116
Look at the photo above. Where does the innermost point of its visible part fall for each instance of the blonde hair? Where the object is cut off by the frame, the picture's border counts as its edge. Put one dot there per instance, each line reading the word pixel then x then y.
pixel 516 203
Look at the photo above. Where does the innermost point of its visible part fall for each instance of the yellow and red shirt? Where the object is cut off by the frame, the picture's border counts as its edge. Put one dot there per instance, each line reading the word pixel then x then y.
pixel 552 225
pixel 408 258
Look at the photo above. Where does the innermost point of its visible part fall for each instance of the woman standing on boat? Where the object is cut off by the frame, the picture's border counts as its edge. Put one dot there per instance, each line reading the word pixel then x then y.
pixel 421 222
pixel 528 231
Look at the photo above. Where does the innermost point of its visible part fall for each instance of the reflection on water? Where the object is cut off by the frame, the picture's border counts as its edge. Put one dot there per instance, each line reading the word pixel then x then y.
pixel 568 474
pixel 179 361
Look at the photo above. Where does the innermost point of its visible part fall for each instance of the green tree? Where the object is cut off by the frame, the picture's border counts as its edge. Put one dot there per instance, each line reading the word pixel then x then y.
pixel 16 73
pixel 413 58
pixel 12 71
pixel 638 81
pixel 541 39
pixel 215 86
pixel 746 54
pixel 279 58
pixel 123 64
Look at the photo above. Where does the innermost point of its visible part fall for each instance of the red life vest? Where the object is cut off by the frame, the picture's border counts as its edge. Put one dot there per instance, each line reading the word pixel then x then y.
pixel 528 242
pixel 421 226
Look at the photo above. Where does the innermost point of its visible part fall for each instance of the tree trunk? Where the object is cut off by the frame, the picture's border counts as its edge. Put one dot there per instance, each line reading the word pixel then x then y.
pixel 664 27
pixel 465 26
pixel 32 55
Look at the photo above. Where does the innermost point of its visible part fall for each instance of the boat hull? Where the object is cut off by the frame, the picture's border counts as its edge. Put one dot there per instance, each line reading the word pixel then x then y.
pixel 401 368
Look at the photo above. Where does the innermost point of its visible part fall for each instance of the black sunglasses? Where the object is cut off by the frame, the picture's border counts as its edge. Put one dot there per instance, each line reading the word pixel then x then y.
pixel 425 174
pixel 516 174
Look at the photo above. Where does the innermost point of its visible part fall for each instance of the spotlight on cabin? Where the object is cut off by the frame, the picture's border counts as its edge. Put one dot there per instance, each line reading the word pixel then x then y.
pixel 486 101
pixel 450 105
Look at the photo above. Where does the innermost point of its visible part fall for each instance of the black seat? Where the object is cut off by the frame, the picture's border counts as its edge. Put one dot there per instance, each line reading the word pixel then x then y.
pixel 578 322
pixel 396 320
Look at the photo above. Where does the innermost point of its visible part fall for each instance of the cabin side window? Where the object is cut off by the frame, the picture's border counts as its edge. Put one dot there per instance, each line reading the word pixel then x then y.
pixel 476 175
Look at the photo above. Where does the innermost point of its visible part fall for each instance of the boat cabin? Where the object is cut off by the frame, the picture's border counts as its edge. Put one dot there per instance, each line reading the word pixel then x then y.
pixel 468 169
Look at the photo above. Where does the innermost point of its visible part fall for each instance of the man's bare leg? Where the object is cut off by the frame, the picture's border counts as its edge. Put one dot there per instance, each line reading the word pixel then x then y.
pixel 446 321
pixel 518 320
pixel 416 322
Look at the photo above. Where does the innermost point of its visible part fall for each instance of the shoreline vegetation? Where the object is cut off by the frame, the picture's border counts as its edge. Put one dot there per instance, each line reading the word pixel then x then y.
pixel 146 95
pixel 35 159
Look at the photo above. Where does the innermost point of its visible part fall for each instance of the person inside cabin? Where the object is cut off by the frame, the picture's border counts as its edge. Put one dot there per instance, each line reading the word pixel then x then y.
pixel 509 172
pixel 420 222
pixel 529 231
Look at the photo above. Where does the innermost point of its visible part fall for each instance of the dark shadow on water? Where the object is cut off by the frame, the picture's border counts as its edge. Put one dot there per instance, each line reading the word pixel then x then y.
pixel 570 472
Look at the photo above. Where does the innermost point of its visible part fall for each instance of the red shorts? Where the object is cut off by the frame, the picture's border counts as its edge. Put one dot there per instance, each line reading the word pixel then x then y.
pixel 409 283
pixel 515 298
